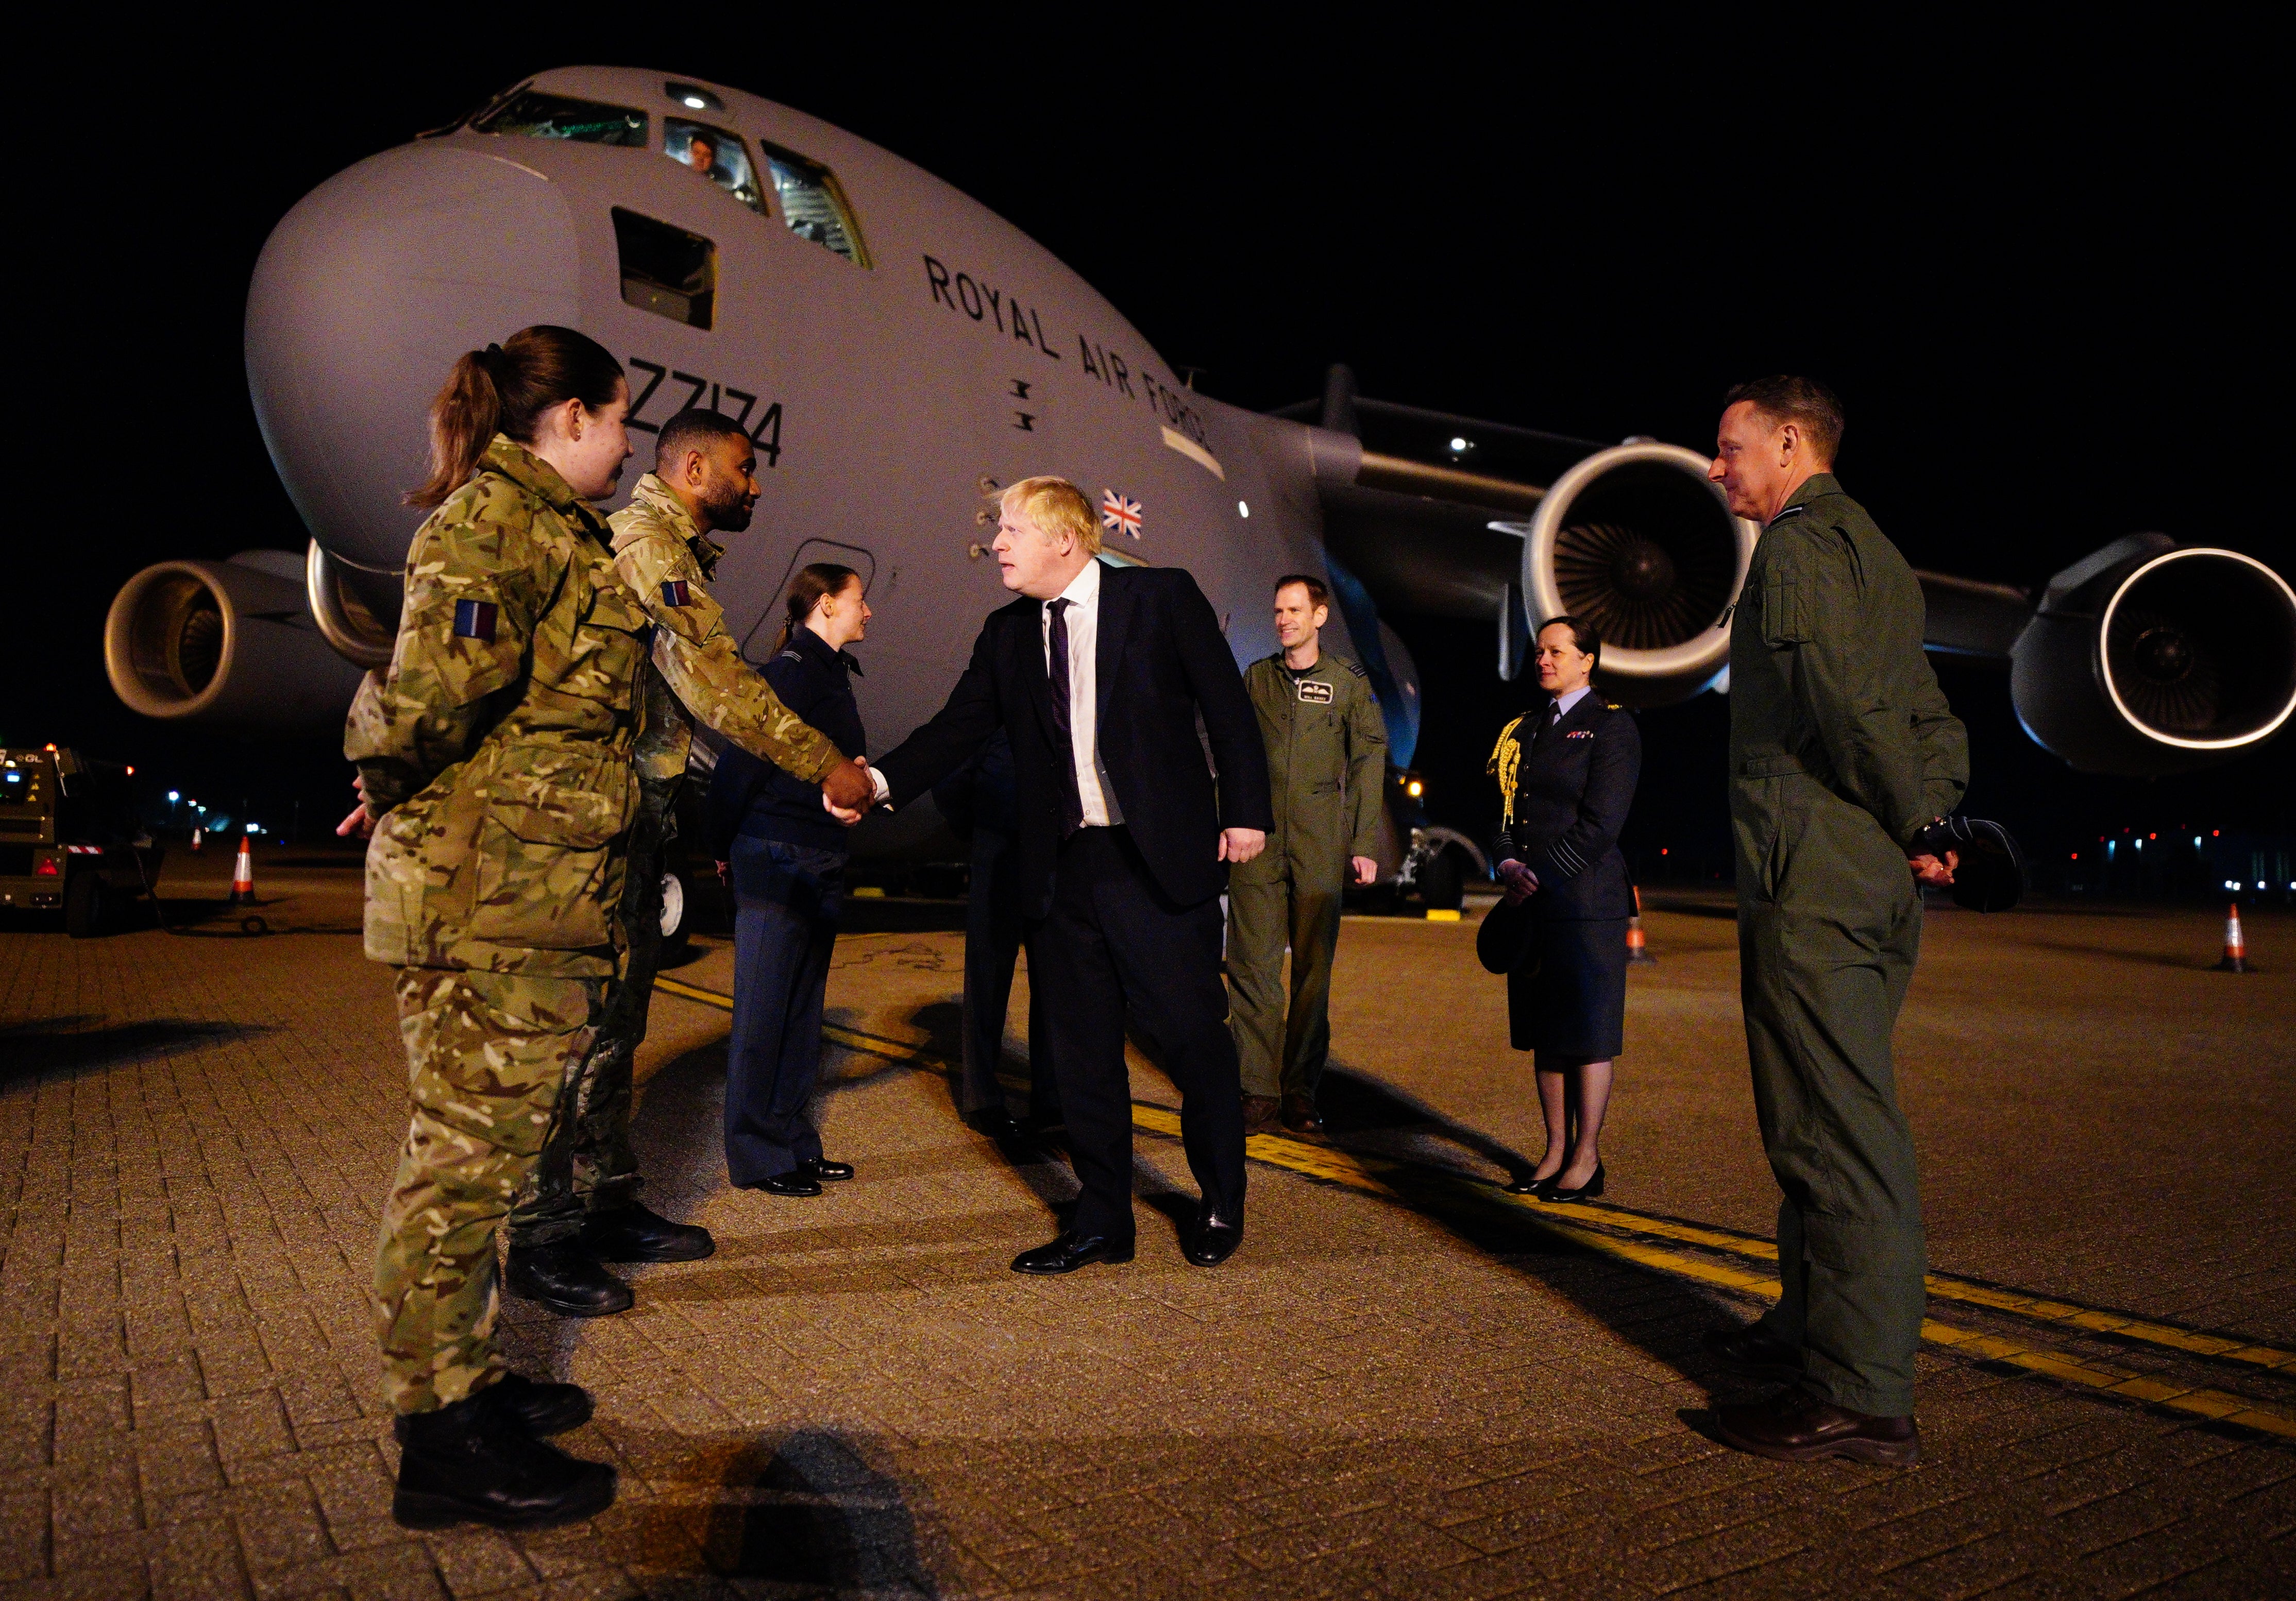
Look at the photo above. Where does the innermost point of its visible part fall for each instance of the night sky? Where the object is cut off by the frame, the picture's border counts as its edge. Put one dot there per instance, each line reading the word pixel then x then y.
pixel 2035 271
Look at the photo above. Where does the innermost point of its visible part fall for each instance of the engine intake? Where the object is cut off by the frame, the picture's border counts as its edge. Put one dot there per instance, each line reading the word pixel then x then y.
pixel 2147 658
pixel 228 642
pixel 1635 540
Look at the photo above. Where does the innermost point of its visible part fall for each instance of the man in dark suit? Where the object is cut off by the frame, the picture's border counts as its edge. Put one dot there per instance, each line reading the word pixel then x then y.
pixel 1099 675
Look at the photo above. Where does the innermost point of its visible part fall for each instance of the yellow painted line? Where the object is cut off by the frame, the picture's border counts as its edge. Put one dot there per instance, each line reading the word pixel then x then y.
pixel 1383 1177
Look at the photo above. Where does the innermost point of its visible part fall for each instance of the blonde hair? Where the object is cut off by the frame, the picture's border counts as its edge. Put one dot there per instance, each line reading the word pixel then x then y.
pixel 1055 507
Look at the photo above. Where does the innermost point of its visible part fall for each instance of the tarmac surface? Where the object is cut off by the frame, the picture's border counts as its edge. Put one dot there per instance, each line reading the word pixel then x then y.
pixel 1405 1384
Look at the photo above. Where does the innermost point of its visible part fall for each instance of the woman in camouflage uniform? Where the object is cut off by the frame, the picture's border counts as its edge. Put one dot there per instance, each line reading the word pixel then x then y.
pixel 496 778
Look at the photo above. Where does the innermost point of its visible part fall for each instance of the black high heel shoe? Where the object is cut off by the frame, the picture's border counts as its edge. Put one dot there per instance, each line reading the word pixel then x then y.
pixel 1538 1189
pixel 1585 1192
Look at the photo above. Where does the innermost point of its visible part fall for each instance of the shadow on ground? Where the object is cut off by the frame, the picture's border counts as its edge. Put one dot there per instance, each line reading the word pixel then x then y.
pixel 64 1045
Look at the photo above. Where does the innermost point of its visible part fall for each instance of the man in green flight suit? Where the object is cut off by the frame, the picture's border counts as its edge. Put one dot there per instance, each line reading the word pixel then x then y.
pixel 581 1208
pixel 1842 751
pixel 1326 760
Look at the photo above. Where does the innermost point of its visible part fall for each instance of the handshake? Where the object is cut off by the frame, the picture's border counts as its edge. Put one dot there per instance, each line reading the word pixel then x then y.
pixel 847 790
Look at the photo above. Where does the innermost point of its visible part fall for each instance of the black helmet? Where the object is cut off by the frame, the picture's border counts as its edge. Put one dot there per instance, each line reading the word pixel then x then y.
pixel 1991 874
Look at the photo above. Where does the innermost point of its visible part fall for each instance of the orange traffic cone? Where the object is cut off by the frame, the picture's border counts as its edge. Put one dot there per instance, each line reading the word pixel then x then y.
pixel 2235 956
pixel 1636 949
pixel 198 834
pixel 242 876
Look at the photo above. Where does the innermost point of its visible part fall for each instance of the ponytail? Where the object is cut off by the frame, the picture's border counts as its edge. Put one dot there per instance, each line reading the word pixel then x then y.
pixel 805 593
pixel 504 389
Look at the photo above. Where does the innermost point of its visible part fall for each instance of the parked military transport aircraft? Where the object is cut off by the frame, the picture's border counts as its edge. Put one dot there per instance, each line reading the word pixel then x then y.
pixel 893 347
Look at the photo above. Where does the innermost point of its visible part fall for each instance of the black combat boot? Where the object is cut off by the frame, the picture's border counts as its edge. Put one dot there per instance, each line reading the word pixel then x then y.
pixel 534 1407
pixel 468 1463
pixel 634 1233
pixel 567 1279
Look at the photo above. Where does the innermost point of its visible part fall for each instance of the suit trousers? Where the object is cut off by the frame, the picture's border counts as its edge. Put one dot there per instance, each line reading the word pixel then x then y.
pixel 786 899
pixel 1293 899
pixel 994 936
pixel 1112 941
pixel 1821 987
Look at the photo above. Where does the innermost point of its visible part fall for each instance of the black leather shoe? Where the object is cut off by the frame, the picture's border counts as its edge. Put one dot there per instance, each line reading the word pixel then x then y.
pixel 1072 1250
pixel 1538 1189
pixel 1213 1242
pixel 1798 1428
pixel 997 1124
pixel 1301 1116
pixel 1587 1191
pixel 635 1233
pixel 825 1172
pixel 1753 1349
pixel 468 1463
pixel 797 1181
pixel 539 1406
pixel 567 1279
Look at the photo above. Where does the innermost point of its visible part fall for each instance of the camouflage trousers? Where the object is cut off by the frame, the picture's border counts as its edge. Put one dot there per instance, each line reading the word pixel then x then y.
pixel 586 1164
pixel 487 1055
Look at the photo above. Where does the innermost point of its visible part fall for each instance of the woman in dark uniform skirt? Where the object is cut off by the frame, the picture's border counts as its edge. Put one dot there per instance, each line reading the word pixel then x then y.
pixel 1566 772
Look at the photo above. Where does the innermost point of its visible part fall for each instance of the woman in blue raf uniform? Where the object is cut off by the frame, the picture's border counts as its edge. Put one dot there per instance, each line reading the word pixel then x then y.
pixel 1566 772
pixel 788 857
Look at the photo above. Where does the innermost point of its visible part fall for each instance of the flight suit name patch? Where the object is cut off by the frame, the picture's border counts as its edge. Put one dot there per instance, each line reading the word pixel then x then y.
pixel 475 620
pixel 1314 692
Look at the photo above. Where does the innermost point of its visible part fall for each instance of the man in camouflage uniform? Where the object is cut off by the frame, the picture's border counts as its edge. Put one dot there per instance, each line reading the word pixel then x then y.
pixel 582 1207
pixel 1842 752
pixel 1326 763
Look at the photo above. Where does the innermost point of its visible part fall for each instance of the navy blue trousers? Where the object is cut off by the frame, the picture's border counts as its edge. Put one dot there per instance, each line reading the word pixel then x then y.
pixel 787 898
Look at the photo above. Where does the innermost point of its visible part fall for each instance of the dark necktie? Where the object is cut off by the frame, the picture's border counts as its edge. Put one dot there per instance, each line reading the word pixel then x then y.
pixel 1056 666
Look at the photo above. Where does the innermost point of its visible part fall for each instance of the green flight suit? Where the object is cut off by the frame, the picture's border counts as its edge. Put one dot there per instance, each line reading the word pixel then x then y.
pixel 696 671
pixel 1841 747
pixel 1326 762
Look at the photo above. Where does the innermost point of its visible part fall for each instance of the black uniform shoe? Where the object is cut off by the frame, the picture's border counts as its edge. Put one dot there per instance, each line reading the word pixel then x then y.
pixel 1213 1242
pixel 1587 1191
pixel 1072 1250
pixel 797 1181
pixel 825 1170
pixel 1300 1114
pixel 539 1406
pixel 1753 1349
pixel 997 1124
pixel 1798 1428
pixel 468 1464
pixel 636 1233
pixel 567 1279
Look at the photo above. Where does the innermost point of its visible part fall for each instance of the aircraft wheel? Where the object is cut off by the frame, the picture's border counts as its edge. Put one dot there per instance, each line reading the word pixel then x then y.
pixel 676 916
pixel 83 907
pixel 1441 884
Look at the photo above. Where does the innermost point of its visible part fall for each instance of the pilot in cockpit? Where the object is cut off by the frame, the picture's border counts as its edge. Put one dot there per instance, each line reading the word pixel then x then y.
pixel 701 154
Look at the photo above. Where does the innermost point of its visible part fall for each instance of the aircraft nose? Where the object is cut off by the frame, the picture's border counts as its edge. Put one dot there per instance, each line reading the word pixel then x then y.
pixel 364 295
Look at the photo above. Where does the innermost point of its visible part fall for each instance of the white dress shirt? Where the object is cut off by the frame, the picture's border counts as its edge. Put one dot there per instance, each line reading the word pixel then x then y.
pixel 1083 621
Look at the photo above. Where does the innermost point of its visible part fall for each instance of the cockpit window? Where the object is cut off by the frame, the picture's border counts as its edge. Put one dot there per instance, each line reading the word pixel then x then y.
pixel 813 205
pixel 540 116
pixel 717 155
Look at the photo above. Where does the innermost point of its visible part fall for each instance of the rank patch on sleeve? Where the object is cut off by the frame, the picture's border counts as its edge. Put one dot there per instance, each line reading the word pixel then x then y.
pixel 475 620
pixel 673 591
pixel 1317 691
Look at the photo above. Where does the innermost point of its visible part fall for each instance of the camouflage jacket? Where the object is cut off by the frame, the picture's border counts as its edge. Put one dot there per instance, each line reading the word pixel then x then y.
pixel 698 668
pixel 496 748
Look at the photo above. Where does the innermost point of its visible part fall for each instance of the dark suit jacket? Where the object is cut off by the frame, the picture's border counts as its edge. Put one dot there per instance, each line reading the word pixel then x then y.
pixel 1160 664
pixel 1572 787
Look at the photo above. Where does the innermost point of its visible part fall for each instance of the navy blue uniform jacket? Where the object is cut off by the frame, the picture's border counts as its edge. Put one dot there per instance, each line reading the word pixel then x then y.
pixel 750 796
pixel 1161 663
pixel 1573 784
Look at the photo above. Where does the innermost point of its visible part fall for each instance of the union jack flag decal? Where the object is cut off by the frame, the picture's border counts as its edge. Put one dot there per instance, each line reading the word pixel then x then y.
pixel 1119 515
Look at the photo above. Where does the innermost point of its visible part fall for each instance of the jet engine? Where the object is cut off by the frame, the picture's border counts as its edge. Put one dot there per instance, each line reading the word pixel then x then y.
pixel 1636 542
pixel 232 643
pixel 2149 658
